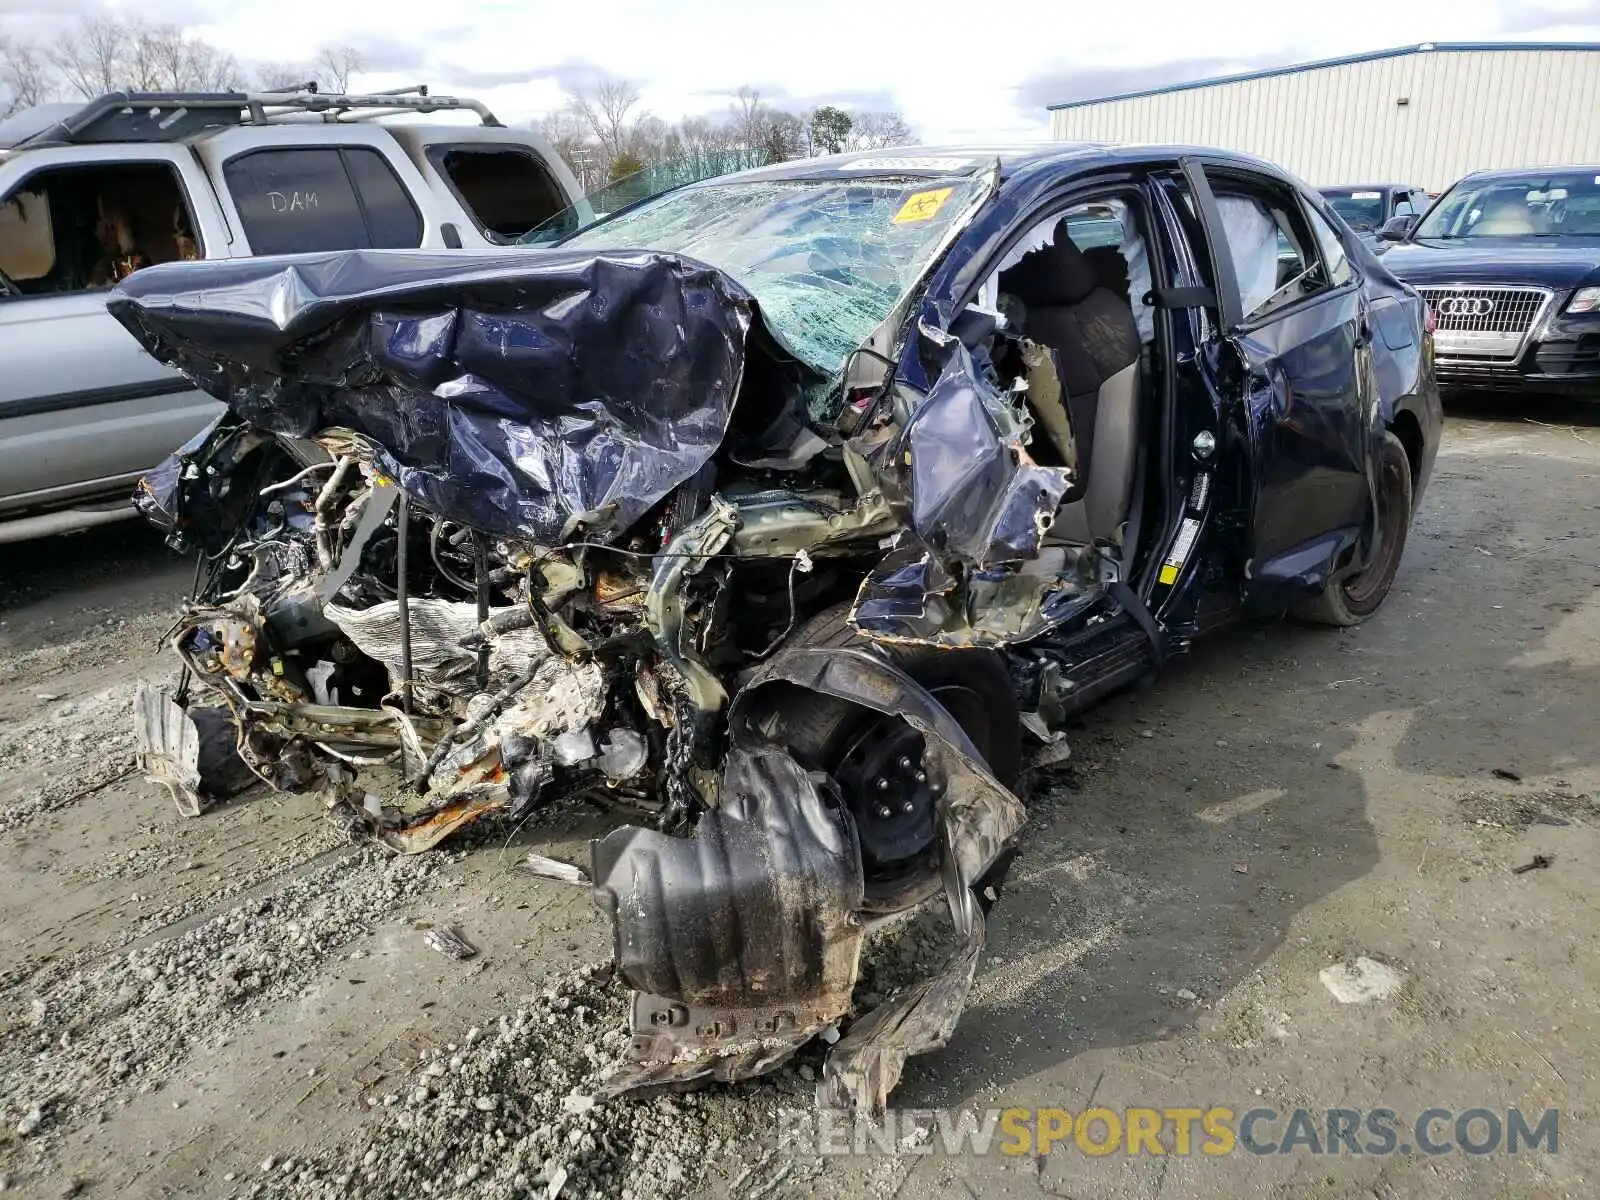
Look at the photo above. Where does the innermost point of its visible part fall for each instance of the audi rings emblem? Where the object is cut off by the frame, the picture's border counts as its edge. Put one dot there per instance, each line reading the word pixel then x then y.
pixel 1464 306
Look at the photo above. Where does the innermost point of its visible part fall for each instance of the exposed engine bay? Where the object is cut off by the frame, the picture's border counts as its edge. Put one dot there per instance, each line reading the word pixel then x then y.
pixel 482 534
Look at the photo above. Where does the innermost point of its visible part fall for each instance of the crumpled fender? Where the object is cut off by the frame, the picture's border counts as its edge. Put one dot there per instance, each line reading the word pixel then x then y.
pixel 981 813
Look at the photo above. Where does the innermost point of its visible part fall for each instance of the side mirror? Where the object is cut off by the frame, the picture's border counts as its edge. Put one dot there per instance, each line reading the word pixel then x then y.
pixel 1395 229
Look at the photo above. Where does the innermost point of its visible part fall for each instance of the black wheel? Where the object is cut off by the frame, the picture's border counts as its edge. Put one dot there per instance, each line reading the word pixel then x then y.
pixel 876 759
pixel 1356 597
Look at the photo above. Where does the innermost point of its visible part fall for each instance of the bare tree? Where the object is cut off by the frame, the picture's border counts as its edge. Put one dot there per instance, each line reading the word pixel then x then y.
pixel 92 57
pixel 336 64
pixel 24 77
pixel 144 48
pixel 606 110
pixel 282 76
pixel 879 130
pixel 568 132
pixel 750 117
pixel 213 70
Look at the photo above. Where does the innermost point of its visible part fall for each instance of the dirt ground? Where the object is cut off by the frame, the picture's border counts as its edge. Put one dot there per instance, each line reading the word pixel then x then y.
pixel 244 1003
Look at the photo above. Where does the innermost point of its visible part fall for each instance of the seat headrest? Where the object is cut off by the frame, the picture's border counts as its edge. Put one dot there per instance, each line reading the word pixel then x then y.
pixel 1055 275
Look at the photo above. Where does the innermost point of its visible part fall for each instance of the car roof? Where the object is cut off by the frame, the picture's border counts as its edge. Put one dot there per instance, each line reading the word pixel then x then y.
pixel 20 126
pixel 1369 187
pixel 1014 159
pixel 1525 172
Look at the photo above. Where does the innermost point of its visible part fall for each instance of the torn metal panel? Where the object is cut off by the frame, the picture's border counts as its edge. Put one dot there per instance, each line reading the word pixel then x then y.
pixel 681 559
pixel 960 473
pixel 440 633
pixel 864 1067
pixel 522 393
pixel 911 598
pixel 744 937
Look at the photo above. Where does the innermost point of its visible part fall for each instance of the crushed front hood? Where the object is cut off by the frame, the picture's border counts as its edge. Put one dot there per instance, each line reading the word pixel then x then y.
pixel 528 394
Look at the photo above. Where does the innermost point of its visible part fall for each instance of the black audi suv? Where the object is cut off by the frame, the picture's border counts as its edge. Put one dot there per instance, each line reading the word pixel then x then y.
pixel 1509 262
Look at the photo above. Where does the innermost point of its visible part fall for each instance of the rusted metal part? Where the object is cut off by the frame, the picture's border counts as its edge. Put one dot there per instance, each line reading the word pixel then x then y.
pixel 813 523
pixel 429 832
pixel 676 1043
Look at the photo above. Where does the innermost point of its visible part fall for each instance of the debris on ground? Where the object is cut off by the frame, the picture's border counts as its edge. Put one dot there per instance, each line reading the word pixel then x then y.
pixel 1539 863
pixel 1361 981
pixel 450 943
pixel 554 868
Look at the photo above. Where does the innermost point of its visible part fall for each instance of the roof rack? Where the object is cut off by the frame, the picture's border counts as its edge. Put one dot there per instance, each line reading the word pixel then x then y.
pixel 172 116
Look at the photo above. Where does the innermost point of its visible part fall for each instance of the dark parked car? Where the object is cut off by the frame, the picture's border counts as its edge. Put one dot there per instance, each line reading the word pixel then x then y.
pixel 1369 207
pixel 1509 261
pixel 778 511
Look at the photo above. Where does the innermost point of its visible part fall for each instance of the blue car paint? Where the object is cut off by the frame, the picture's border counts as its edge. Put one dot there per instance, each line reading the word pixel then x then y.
pixel 1316 389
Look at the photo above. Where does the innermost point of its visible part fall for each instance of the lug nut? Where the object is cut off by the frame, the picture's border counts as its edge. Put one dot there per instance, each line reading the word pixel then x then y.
pixel 905 763
pixel 922 777
pixel 882 785
pixel 908 807
pixel 883 813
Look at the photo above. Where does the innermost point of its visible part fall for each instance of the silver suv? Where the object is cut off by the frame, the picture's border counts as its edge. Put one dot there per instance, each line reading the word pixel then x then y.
pixel 90 193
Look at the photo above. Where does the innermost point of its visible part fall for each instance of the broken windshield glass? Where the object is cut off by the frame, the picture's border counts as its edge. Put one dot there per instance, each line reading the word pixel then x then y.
pixel 826 259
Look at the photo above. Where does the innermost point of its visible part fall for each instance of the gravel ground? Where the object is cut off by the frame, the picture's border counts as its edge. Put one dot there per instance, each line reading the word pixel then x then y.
pixel 243 1004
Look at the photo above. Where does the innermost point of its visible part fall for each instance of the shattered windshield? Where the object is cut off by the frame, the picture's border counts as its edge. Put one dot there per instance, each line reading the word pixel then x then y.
pixel 826 259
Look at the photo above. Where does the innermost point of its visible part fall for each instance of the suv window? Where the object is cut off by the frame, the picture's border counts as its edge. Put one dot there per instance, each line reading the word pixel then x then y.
pixel 345 198
pixel 80 228
pixel 507 191
pixel 1274 258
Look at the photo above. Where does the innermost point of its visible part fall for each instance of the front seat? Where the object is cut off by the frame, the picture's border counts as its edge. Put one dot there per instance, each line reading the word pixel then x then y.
pixel 1507 218
pixel 1096 340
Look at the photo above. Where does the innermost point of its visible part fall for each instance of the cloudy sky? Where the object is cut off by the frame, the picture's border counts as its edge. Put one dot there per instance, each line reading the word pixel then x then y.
pixel 957 70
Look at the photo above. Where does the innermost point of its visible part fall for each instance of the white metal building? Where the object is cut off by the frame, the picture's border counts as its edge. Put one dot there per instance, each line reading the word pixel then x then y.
pixel 1423 114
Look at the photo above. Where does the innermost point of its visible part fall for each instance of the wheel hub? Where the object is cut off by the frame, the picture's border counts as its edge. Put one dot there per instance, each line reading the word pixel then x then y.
pixel 888 790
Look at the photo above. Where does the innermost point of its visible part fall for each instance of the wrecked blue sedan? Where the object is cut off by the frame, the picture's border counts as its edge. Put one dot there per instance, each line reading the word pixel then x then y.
pixel 785 514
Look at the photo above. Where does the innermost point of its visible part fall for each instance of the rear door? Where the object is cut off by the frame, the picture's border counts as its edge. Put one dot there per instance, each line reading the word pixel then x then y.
pixel 1297 318
pixel 295 188
pixel 83 409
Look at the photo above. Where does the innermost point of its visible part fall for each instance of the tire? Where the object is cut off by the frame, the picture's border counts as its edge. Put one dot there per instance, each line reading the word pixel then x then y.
pixel 1353 599
pixel 836 736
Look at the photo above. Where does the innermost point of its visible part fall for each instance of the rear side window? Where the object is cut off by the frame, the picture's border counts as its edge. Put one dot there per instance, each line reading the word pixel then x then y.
pixel 346 198
pixel 1278 257
pixel 505 191
pixel 1335 262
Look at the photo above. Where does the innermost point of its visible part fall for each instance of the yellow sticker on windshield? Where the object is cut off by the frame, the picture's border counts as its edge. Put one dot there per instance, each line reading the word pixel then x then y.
pixel 922 206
